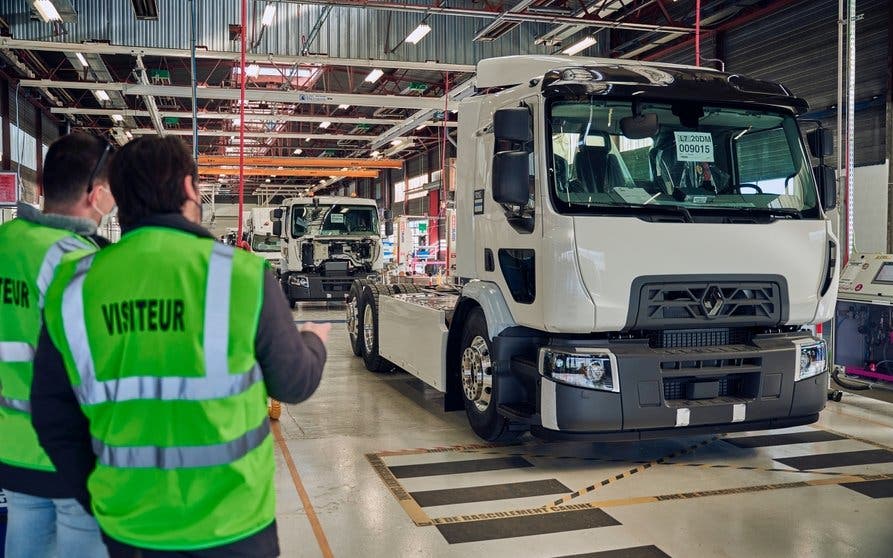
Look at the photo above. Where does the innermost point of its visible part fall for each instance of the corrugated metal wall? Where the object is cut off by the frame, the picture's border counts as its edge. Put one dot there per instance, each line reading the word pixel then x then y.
pixel 346 32
pixel 797 46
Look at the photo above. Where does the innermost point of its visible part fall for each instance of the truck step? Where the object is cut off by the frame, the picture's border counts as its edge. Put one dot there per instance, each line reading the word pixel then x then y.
pixel 520 412
pixel 525 367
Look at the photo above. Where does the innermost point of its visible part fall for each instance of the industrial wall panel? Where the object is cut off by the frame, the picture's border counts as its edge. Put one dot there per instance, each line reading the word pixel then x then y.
pixel 346 32
pixel 21 111
pixel 797 46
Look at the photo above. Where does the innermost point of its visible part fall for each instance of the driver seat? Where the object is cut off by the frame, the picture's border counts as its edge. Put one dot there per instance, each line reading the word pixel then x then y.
pixel 591 166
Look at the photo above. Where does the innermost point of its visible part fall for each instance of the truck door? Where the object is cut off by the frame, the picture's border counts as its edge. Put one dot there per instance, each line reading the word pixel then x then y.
pixel 510 235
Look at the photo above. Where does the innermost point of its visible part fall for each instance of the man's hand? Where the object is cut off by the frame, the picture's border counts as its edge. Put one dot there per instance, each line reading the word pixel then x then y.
pixel 321 330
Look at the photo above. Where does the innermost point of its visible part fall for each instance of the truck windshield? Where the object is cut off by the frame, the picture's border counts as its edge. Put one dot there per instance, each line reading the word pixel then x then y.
pixel 695 160
pixel 264 243
pixel 338 219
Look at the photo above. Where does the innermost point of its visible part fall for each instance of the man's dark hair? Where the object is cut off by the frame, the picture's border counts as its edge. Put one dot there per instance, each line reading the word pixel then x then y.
pixel 69 163
pixel 147 176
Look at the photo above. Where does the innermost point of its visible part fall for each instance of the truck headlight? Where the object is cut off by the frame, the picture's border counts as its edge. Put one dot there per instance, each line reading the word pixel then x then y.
pixel 812 359
pixel 299 281
pixel 586 368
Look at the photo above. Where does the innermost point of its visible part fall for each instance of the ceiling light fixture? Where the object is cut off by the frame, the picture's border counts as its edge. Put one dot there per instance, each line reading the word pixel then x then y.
pixel 81 59
pixel 298 151
pixel 101 95
pixel 374 75
pixel 269 13
pixel 47 11
pixel 579 46
pixel 343 107
pixel 117 118
pixel 418 34
pixel 397 141
pixel 325 124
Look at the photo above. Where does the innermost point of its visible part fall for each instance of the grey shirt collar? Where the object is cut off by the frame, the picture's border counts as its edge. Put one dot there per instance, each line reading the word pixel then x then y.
pixel 79 225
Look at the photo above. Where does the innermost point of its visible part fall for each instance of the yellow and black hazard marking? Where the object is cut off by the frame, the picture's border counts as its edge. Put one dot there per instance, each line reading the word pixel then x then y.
pixel 550 509
pixel 410 506
pixel 631 472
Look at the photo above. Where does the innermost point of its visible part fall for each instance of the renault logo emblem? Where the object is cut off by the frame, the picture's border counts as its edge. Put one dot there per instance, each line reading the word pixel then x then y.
pixel 712 301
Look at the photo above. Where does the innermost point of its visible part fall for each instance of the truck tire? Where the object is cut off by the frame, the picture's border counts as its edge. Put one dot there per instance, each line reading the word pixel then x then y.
pixel 353 301
pixel 405 288
pixel 480 383
pixel 367 324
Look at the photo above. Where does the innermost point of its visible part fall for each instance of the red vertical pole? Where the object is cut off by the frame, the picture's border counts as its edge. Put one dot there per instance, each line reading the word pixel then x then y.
pixel 697 32
pixel 242 81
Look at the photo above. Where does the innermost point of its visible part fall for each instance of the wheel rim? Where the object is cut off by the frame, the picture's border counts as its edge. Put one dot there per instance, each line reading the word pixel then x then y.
pixel 368 330
pixel 352 318
pixel 477 373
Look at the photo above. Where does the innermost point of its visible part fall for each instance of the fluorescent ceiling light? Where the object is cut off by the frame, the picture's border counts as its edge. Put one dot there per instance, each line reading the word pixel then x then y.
pixel 269 14
pixel 268 180
pixel 374 75
pixel 343 107
pixel 117 118
pixel 325 124
pixel 418 34
pixel 397 141
pixel 101 95
pixel 298 151
pixel 47 11
pixel 81 59
pixel 579 46
pixel 375 153
pixel 307 140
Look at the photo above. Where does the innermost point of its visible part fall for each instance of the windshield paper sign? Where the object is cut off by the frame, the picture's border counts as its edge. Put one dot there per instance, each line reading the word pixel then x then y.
pixel 694 146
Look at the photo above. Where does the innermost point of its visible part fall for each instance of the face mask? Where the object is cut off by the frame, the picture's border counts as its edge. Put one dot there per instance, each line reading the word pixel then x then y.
pixel 105 217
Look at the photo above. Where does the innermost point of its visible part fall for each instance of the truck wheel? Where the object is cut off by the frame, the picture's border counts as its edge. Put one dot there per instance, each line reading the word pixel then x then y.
pixel 367 326
pixel 479 383
pixel 353 300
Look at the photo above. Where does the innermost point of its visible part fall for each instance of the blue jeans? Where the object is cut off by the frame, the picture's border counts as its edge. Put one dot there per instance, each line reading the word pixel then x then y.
pixel 39 527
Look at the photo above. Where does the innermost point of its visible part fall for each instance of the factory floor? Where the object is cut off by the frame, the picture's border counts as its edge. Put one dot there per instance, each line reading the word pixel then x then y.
pixel 371 466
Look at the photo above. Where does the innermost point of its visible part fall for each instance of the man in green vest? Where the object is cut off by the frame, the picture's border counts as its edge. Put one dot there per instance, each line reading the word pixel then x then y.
pixel 160 353
pixel 44 517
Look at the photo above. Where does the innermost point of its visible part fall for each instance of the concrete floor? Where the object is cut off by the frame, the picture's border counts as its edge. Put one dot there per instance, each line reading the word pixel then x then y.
pixel 364 440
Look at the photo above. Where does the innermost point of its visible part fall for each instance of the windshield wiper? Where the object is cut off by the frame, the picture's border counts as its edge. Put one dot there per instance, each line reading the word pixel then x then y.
pixel 773 212
pixel 646 209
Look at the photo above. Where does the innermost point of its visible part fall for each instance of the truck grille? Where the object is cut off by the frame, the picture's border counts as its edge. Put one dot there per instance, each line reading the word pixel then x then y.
pixel 684 338
pixel 742 386
pixel 690 303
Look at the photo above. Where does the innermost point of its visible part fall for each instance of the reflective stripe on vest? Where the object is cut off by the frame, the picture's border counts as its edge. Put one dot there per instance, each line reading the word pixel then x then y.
pixel 182 456
pixel 13 351
pixel 217 382
pixel 51 260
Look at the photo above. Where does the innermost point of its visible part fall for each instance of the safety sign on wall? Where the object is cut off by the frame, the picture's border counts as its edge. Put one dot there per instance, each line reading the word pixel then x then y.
pixel 9 193
pixel 694 146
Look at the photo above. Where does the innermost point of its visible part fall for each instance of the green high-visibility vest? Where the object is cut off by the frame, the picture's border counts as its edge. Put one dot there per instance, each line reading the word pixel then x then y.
pixel 29 254
pixel 157 336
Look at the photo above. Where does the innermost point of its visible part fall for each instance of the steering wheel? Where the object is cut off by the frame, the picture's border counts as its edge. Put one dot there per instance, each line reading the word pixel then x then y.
pixel 752 186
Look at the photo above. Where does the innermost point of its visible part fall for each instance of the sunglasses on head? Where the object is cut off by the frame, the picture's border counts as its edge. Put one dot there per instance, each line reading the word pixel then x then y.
pixel 100 164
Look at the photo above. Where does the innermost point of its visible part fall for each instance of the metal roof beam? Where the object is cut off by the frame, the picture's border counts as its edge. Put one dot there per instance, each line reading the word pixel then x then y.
pixel 260 135
pixel 226 94
pixel 416 119
pixel 251 58
pixel 248 117
pixel 505 16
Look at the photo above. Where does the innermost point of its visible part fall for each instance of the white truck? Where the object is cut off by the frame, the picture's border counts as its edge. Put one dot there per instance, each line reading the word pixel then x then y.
pixel 261 238
pixel 640 249
pixel 327 243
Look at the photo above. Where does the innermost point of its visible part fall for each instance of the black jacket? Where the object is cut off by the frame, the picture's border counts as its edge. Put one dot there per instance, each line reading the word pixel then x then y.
pixel 292 364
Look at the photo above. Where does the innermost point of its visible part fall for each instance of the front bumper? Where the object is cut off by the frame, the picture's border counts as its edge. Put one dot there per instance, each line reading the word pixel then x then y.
pixel 758 392
pixel 320 287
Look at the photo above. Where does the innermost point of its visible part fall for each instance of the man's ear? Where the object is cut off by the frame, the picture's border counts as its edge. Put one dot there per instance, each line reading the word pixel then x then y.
pixel 190 190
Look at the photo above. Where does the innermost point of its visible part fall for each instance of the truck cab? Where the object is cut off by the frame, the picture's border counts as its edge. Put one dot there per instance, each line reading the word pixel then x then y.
pixel 327 243
pixel 263 242
pixel 641 247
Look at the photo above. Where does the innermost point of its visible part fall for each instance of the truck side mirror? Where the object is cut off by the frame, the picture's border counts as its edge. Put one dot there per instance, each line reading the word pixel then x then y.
pixel 277 228
pixel 821 142
pixel 388 228
pixel 511 171
pixel 512 124
pixel 277 213
pixel 387 214
pixel 827 183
